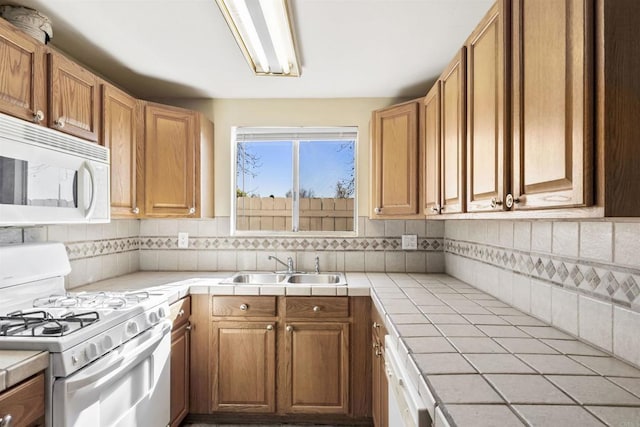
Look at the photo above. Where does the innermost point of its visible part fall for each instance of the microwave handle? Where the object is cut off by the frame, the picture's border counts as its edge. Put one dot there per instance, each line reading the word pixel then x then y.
pixel 94 189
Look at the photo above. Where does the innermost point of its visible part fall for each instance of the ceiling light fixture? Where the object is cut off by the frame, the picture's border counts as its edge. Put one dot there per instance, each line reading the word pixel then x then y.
pixel 263 31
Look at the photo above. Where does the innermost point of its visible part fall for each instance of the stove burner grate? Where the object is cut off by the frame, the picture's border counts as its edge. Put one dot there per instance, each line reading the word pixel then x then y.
pixel 43 324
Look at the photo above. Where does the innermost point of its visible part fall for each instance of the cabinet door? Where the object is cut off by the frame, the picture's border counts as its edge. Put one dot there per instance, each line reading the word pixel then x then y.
pixel 453 135
pixel 73 98
pixel 180 342
pixel 432 149
pixel 395 161
pixel 25 403
pixel 243 366
pixel 316 368
pixel 120 135
pixel 488 172
pixel 170 161
pixel 22 75
pixel 553 106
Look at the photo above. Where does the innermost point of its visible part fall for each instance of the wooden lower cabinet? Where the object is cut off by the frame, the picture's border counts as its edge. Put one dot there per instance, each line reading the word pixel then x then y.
pixel 180 360
pixel 316 361
pixel 243 366
pixel 24 403
pixel 281 359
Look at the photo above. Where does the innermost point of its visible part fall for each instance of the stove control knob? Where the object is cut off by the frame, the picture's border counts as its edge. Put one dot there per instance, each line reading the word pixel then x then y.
pixel 132 328
pixel 162 312
pixel 153 318
pixel 74 359
pixel 107 342
pixel 91 351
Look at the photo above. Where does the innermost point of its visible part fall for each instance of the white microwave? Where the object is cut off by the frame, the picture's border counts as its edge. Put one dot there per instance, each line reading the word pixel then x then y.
pixel 48 177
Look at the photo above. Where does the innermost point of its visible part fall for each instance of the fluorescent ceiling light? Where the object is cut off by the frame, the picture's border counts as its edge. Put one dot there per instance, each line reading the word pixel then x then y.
pixel 263 31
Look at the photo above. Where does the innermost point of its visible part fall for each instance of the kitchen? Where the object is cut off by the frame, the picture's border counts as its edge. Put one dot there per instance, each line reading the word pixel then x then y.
pixel 575 268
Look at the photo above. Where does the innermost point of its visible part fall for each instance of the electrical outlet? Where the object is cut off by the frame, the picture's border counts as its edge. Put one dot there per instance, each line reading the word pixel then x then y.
pixel 183 240
pixel 409 242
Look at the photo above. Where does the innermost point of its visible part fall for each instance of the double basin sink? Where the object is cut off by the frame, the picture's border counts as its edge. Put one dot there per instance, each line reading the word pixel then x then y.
pixel 305 279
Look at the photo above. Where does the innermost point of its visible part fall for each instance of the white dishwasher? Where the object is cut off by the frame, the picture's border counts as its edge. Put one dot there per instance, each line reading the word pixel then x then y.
pixel 405 405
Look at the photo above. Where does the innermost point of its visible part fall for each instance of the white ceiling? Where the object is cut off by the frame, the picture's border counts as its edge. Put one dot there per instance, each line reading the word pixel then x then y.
pixel 183 48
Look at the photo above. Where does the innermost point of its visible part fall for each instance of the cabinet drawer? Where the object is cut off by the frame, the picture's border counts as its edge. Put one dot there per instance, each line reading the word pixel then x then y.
pixel 317 307
pixel 245 306
pixel 180 311
pixel 24 402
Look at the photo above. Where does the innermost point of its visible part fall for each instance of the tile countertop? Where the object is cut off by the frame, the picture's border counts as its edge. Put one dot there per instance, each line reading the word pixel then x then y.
pixel 475 360
pixel 18 365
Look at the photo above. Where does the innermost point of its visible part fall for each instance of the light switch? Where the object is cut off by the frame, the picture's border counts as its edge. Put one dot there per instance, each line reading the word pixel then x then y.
pixel 183 240
pixel 409 242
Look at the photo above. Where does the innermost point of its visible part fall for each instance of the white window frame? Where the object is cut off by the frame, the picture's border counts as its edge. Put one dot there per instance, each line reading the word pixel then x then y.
pixel 295 134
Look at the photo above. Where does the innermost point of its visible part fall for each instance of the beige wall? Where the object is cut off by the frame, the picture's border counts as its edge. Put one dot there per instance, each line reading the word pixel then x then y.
pixel 226 113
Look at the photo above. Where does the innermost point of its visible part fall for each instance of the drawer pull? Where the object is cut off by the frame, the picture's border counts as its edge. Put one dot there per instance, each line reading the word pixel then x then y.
pixel 289 328
pixel 181 313
pixel 6 421
pixel 316 308
pixel 269 327
pixel 244 307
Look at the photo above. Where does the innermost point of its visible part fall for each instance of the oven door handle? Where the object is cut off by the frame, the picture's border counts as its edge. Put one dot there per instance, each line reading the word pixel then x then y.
pixel 120 364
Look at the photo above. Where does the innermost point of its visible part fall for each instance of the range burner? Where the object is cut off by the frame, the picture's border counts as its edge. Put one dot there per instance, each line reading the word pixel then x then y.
pixel 43 324
pixel 95 300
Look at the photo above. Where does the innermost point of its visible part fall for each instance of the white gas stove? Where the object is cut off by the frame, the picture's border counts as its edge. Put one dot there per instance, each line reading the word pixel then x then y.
pixel 90 336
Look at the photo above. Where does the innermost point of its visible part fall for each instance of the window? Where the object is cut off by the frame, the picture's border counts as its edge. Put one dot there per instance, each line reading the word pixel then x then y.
pixel 295 180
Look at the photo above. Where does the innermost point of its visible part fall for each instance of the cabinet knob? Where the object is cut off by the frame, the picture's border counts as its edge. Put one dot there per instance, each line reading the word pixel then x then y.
pixel 378 210
pixel 316 308
pixel 181 313
pixel 192 211
pixel 244 307
pixel 435 209
pixel 59 123
pixel 135 211
pixel 289 328
pixel 38 116
pixel 495 202
pixel 188 328
pixel 376 325
pixel 269 327
pixel 6 421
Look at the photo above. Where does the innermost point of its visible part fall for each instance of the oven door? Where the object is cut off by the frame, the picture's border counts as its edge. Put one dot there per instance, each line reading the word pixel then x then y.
pixel 127 387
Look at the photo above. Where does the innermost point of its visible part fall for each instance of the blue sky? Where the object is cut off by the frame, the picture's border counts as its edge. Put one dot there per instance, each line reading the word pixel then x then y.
pixel 322 164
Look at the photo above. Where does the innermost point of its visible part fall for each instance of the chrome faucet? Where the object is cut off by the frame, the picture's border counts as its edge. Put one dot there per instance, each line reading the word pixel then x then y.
pixel 317 268
pixel 288 264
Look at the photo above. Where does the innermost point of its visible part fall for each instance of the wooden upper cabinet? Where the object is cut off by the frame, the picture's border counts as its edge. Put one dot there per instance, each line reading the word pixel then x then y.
pixel 120 133
pixel 432 151
pixel 488 107
pixel 178 163
pixel 552 103
pixel 74 106
pixel 243 366
pixel 395 162
pixel 22 75
pixel 453 135
pixel 317 368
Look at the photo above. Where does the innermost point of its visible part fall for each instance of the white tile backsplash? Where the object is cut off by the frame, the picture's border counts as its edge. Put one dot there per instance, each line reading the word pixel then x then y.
pixel 627 243
pixel 596 240
pixel 565 238
pixel 541 232
pixel 626 339
pixel 522 235
pixel 564 310
pixel 596 322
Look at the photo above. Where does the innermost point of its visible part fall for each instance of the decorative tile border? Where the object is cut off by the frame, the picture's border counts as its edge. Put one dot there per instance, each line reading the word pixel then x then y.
pixel 94 248
pixel 604 281
pixel 291 244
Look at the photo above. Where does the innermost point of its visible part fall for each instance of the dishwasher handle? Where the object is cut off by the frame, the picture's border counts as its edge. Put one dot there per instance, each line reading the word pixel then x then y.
pixel 123 362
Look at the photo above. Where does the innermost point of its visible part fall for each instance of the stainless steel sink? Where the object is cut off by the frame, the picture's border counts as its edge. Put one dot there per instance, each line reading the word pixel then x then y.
pixel 308 279
pixel 257 278
pixel 317 279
